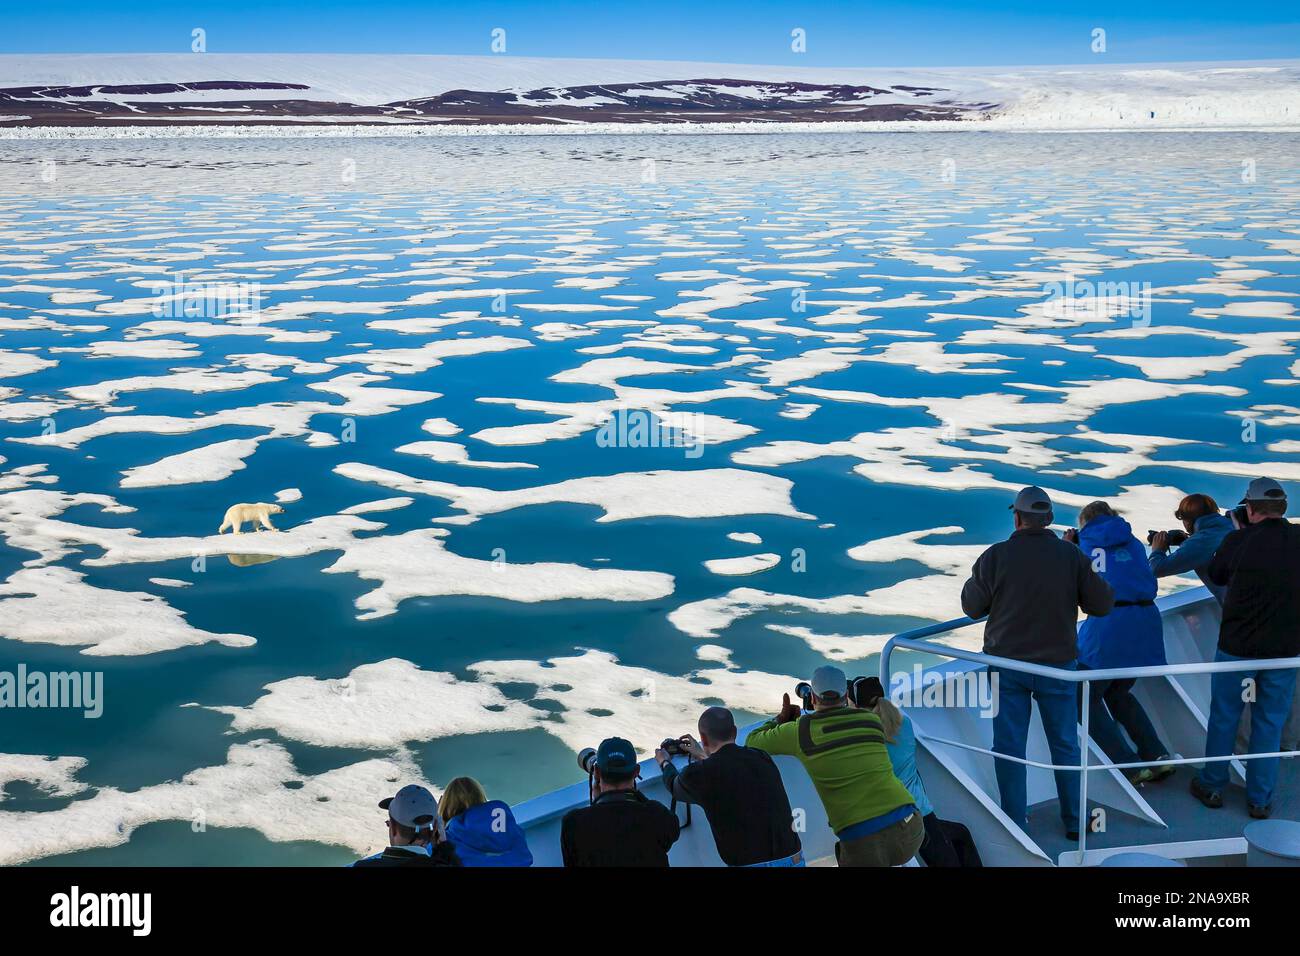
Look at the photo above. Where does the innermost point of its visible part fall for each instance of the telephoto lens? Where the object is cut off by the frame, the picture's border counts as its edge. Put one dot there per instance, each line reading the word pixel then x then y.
pixel 587 759
pixel 803 690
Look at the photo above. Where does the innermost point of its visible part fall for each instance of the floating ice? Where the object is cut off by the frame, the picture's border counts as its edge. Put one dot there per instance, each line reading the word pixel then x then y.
pixel 748 564
pixel 54 605
pixel 704 493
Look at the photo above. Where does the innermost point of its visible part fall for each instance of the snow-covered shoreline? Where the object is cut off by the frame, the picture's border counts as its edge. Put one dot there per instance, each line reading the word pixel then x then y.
pixel 365 131
pixel 302 96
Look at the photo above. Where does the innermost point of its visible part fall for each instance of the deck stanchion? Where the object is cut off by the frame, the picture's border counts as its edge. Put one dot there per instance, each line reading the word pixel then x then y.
pixel 1083 775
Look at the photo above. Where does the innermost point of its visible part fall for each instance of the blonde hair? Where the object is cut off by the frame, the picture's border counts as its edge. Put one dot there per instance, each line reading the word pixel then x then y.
pixel 463 793
pixel 1094 509
pixel 891 718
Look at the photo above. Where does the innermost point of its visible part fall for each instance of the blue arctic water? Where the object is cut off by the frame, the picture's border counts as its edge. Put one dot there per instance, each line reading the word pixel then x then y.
pixel 1169 212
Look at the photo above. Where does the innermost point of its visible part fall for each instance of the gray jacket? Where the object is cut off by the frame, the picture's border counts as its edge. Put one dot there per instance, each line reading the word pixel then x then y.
pixel 1032 586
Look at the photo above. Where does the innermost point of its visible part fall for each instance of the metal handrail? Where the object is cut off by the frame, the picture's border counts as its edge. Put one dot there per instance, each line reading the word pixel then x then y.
pixel 913 640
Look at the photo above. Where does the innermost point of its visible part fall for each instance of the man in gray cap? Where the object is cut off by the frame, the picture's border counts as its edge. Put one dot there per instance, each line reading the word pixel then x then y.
pixel 843 750
pixel 1259 565
pixel 415 835
pixel 1032 586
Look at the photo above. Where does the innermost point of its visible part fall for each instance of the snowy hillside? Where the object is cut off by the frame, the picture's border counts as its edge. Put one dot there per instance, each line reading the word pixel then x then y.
pixel 50 90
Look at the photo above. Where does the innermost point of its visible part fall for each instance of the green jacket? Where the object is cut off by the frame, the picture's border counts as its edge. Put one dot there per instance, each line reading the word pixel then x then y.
pixel 844 753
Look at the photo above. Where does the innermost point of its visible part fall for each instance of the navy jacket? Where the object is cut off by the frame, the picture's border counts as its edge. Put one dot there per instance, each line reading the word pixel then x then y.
pixel 441 855
pixel 1260 567
pixel 622 828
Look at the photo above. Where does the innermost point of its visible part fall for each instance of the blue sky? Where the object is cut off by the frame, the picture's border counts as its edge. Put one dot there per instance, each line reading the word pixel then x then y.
pixel 855 33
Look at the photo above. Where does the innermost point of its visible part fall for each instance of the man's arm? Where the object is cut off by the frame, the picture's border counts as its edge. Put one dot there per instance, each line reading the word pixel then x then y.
pixel 976 596
pixel 566 840
pixel 672 828
pixel 675 784
pixel 774 738
pixel 1220 569
pixel 1096 597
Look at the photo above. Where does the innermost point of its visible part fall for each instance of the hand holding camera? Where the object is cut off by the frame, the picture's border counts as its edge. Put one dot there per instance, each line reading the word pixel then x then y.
pixel 1164 540
pixel 691 747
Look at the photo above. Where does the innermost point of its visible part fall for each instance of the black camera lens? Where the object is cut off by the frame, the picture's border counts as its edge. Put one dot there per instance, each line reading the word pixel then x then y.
pixel 865 691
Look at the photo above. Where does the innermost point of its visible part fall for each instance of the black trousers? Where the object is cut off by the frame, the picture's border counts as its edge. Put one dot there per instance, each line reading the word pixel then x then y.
pixel 937 849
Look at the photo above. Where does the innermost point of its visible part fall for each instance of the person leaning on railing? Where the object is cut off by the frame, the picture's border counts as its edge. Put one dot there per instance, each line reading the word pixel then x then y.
pixel 1260 567
pixel 937 849
pixel 741 793
pixel 843 751
pixel 1032 587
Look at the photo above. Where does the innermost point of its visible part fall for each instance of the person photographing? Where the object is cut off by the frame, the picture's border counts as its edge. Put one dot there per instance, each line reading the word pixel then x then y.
pixel 740 791
pixel 843 750
pixel 1205 529
pixel 1259 566
pixel 622 826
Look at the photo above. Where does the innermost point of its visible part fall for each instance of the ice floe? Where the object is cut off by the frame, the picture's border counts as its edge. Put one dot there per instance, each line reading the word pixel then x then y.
pixel 54 605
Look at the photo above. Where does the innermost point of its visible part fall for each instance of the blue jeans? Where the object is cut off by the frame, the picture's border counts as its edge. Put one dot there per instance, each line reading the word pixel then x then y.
pixel 1111 706
pixel 1268 712
pixel 1058 708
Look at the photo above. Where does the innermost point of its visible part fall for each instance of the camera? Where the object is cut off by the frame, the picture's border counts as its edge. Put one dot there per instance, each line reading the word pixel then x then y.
pixel 1242 515
pixel 673 746
pixel 803 690
pixel 862 692
pixel 1176 537
pixel 587 760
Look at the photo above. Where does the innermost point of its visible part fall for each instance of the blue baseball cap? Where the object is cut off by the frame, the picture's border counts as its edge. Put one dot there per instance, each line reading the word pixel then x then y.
pixel 617 757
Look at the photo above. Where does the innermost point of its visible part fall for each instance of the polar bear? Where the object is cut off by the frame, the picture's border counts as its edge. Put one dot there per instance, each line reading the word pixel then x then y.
pixel 258 514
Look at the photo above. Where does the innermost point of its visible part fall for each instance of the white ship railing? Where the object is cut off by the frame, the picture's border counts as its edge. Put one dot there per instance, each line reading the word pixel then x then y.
pixel 914 640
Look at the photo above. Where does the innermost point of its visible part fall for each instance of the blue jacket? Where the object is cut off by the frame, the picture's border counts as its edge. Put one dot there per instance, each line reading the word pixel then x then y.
pixel 487 835
pixel 1132 634
pixel 1195 553
pixel 902 754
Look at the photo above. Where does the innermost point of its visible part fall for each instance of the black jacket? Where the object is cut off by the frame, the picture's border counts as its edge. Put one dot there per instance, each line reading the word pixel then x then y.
pixel 1032 586
pixel 444 854
pixel 740 791
pixel 622 828
pixel 1260 565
